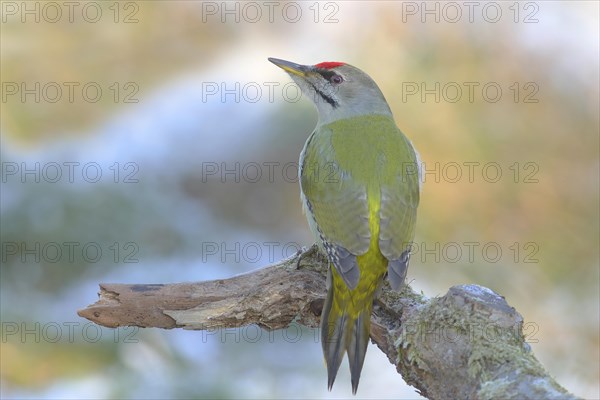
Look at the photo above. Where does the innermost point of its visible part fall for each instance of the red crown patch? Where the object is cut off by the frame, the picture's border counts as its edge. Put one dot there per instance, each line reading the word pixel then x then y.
pixel 329 64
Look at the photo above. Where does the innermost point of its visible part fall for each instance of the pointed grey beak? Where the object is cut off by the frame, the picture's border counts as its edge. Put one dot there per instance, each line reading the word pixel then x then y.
pixel 290 67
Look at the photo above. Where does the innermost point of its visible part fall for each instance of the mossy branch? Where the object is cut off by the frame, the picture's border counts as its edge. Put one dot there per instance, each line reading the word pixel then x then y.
pixel 467 344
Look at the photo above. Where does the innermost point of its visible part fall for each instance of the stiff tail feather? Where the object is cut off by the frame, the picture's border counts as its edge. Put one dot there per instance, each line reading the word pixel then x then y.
pixel 344 331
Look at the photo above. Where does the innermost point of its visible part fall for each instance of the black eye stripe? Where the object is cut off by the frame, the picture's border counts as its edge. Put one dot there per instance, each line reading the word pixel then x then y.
pixel 328 99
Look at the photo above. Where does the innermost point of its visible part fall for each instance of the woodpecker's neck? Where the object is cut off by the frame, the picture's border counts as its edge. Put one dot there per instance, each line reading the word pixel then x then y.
pixel 349 103
pixel 329 115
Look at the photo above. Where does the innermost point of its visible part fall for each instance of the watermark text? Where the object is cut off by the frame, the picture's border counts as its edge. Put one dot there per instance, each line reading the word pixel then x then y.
pixel 69 172
pixel 53 12
pixel 69 92
pixel 70 252
pixel 65 332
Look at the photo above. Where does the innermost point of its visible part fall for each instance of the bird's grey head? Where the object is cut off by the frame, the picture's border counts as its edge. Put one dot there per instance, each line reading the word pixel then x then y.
pixel 338 90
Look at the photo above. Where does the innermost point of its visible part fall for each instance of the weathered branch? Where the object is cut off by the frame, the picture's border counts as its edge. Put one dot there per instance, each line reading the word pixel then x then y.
pixel 466 344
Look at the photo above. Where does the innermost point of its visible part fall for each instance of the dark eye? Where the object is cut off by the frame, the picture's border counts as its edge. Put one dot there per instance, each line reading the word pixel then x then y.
pixel 336 79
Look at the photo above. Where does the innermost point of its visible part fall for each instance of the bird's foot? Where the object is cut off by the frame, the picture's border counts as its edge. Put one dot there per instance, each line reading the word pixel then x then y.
pixel 300 254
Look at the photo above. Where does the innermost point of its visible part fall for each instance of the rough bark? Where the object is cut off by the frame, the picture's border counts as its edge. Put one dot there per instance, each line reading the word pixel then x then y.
pixel 466 344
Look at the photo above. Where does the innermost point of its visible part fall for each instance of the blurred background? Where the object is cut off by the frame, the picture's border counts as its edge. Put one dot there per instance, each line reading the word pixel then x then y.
pixel 152 142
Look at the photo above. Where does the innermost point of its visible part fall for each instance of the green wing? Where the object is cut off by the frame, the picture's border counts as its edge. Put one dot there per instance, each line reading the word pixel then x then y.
pixel 398 214
pixel 336 205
